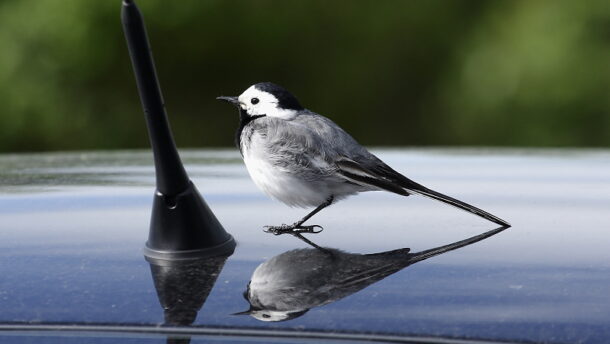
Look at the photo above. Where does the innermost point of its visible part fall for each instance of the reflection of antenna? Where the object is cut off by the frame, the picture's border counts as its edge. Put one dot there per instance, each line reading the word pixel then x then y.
pixel 183 286
pixel 182 225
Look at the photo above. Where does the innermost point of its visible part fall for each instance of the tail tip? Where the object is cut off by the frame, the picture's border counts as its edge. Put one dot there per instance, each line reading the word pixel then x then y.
pixel 502 223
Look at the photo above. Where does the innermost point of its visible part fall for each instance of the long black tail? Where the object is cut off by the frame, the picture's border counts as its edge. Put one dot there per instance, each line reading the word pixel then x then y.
pixel 424 191
pixel 386 178
pixel 423 255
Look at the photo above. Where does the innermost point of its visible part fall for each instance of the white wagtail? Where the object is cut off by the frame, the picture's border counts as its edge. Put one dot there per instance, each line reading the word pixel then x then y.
pixel 304 159
pixel 288 285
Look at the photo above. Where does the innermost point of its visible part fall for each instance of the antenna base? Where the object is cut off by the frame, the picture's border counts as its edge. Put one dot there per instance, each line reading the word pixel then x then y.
pixel 184 227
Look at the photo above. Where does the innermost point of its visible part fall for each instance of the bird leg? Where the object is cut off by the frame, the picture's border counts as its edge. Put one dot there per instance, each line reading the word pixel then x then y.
pixel 311 243
pixel 297 227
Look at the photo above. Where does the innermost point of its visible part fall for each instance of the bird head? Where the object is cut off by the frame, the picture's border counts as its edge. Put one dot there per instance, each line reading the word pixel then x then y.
pixel 268 315
pixel 266 99
pixel 262 313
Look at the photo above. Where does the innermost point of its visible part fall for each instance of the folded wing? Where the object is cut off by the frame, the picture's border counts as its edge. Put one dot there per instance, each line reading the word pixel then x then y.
pixel 374 172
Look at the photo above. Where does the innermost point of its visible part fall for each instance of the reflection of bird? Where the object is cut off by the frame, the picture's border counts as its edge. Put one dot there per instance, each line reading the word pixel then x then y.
pixel 288 285
pixel 304 159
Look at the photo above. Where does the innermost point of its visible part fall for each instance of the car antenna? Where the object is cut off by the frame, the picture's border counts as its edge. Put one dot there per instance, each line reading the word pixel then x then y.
pixel 182 225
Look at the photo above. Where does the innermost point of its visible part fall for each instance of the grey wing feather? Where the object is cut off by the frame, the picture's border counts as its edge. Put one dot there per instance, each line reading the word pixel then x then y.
pixel 312 141
pixel 359 174
pixel 326 141
pixel 294 146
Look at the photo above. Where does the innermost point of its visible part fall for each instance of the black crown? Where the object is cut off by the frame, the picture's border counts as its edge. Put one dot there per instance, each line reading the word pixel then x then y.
pixel 285 99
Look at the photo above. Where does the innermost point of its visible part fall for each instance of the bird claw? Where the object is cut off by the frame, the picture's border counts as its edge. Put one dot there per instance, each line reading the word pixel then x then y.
pixel 308 229
pixel 292 229
pixel 277 230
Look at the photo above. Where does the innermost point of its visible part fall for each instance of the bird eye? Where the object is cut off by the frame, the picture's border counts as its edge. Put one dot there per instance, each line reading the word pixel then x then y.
pixel 254 101
pixel 266 316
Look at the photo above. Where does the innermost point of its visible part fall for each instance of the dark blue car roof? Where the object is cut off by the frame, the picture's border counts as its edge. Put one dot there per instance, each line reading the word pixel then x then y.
pixel 73 225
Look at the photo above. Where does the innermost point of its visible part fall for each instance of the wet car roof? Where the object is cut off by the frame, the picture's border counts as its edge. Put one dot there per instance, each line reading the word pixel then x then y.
pixel 73 225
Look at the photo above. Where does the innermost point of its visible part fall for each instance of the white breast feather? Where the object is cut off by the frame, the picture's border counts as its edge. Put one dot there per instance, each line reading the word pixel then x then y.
pixel 283 185
pixel 278 182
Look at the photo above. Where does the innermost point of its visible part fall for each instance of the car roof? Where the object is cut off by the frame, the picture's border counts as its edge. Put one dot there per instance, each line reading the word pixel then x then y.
pixel 73 225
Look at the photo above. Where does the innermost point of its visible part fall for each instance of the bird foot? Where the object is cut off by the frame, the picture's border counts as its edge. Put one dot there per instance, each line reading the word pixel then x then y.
pixel 295 228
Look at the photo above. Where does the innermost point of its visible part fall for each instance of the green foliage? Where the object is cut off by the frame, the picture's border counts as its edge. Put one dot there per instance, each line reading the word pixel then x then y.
pixel 394 72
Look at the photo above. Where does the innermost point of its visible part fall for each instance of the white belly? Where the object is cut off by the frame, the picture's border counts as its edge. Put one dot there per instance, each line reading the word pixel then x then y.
pixel 285 186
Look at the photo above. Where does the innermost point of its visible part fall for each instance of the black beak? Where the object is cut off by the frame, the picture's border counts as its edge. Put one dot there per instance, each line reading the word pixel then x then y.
pixel 248 312
pixel 232 100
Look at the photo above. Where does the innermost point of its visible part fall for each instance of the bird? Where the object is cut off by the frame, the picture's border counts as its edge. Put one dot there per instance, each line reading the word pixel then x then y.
pixel 290 284
pixel 304 159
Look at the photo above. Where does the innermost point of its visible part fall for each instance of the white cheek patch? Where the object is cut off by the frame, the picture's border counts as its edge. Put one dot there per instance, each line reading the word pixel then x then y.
pixel 282 113
pixel 267 105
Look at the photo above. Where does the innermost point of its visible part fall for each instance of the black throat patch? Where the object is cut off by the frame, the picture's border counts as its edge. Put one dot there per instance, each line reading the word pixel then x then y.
pixel 244 119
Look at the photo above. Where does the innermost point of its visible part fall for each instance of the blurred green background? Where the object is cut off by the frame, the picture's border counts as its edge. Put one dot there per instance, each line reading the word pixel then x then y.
pixel 490 73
